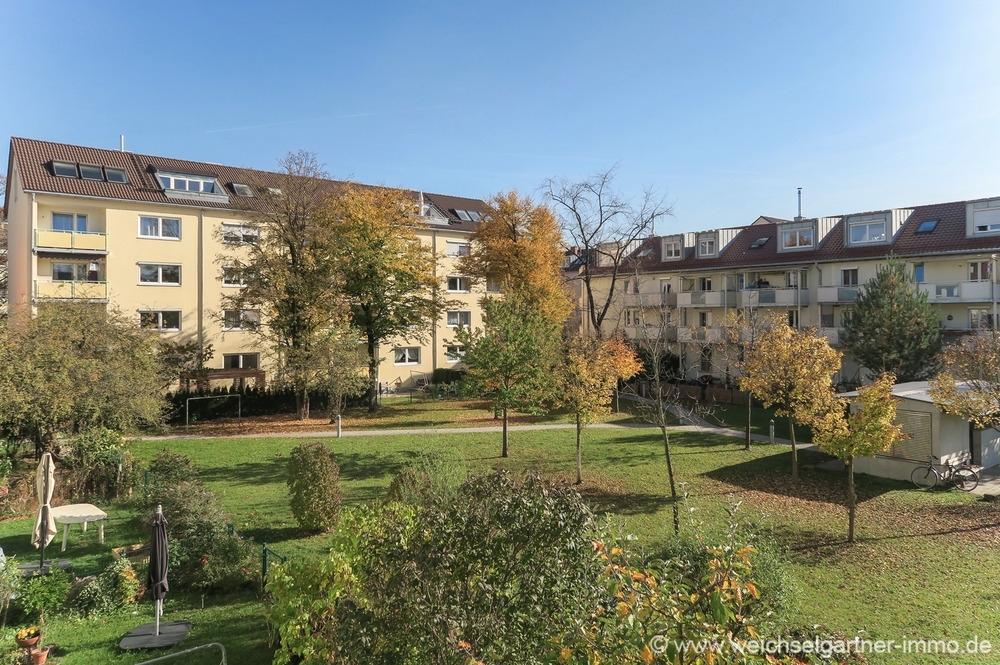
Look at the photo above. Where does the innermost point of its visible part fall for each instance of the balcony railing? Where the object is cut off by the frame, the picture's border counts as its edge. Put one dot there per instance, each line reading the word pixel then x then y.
pixel 667 333
pixel 777 297
pixel 73 240
pixel 958 292
pixel 832 335
pixel 842 295
pixel 712 335
pixel 706 299
pixel 651 299
pixel 71 290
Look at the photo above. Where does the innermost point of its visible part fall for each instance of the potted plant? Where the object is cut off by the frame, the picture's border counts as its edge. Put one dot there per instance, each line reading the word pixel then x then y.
pixel 39 655
pixel 27 637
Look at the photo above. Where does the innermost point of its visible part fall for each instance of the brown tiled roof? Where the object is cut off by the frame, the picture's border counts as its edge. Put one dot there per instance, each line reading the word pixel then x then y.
pixel 34 162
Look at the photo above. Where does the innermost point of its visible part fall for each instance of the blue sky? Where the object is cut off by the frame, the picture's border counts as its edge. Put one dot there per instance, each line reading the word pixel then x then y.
pixel 725 107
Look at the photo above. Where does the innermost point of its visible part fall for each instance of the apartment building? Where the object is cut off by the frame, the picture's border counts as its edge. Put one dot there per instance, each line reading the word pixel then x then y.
pixel 145 234
pixel 808 272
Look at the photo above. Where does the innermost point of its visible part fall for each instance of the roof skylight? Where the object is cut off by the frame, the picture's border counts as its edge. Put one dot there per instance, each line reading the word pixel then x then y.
pixel 64 169
pixel 759 242
pixel 927 226
pixel 463 215
pixel 241 189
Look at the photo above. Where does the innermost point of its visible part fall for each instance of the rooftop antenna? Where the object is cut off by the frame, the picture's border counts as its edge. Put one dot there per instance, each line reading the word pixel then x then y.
pixel 798 217
pixel 122 137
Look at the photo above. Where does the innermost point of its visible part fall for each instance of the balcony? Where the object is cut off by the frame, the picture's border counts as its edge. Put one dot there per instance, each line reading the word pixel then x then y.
pixel 712 335
pixel 774 297
pixel 946 292
pixel 651 299
pixel 837 295
pixel 668 333
pixel 48 290
pixel 73 241
pixel 706 299
pixel 832 335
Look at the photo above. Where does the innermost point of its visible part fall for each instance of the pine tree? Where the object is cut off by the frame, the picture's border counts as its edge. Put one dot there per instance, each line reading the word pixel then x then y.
pixel 893 328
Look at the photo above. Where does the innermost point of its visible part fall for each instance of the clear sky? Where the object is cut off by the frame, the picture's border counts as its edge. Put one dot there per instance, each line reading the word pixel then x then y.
pixel 726 107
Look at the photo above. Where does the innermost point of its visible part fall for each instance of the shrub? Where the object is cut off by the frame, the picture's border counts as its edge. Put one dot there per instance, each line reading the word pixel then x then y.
pixel 100 466
pixel 409 486
pixel 314 486
pixel 116 588
pixel 42 595
pixel 168 469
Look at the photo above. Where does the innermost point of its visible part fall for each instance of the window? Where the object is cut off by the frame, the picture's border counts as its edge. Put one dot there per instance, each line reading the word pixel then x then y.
pixel 89 172
pixel 980 319
pixel 160 227
pixel 456 249
pixel 454 353
pixel 75 272
pixel 927 226
pixel 241 360
pixel 865 232
pixel 168 319
pixel 849 277
pixel 463 215
pixel 704 283
pixel 704 319
pixel 671 249
pixel 232 276
pixel 796 279
pixel 240 319
pixel 706 248
pixel 64 169
pixel 666 286
pixel 633 317
pixel 980 271
pixel 158 273
pixel 406 355
pixel 826 316
pixel 797 238
pixel 239 234
pixel 918 273
pixel 706 360
pixel 759 242
pixel 457 283
pixel 459 318
pixel 492 286
pixel 188 183
pixel 242 190
pixel 115 175
pixel 64 221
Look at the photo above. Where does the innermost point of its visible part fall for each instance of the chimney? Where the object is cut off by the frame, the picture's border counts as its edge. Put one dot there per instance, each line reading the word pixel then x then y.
pixel 798 218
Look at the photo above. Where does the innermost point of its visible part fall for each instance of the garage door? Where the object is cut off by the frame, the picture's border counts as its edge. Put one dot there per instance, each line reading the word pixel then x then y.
pixel 917 447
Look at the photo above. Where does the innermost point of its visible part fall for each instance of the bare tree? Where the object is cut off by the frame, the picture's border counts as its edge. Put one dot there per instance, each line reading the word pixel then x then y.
pixel 607 227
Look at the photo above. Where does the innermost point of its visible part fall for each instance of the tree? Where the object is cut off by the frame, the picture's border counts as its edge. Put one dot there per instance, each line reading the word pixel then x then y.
pixel 591 372
pixel 606 227
pixel 74 368
pixel 343 370
pixel 513 358
pixel 849 433
pixel 518 246
pixel 744 330
pixel 791 370
pixel 289 271
pixel 893 328
pixel 969 382
pixel 387 274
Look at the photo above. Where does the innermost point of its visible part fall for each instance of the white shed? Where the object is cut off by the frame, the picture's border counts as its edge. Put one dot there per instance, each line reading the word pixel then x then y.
pixel 931 433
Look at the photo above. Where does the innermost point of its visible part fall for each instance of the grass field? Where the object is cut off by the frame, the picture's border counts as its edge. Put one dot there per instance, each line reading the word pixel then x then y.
pixel 917 570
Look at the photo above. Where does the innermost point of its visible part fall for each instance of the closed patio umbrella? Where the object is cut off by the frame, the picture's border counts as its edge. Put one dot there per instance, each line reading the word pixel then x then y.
pixel 45 524
pixel 156 577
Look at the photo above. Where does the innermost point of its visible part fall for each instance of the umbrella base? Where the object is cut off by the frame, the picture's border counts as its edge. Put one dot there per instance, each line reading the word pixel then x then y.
pixel 142 637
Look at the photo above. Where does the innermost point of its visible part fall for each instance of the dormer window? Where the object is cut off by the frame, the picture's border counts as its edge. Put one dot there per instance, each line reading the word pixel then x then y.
pixel 64 169
pixel 867 232
pixel 706 247
pixel 188 183
pixel 671 249
pixel 983 216
pixel 797 239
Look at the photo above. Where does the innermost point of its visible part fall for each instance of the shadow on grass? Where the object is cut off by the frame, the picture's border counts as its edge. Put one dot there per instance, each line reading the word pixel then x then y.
pixel 628 503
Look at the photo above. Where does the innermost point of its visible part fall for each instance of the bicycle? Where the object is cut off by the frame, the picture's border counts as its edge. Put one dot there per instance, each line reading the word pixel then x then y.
pixel 963 476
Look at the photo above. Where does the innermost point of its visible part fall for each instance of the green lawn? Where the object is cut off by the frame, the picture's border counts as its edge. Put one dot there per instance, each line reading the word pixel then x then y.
pixel 915 571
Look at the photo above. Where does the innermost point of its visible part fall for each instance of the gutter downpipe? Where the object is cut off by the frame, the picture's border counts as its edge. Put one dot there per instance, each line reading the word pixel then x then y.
pixel 201 282
pixel 993 290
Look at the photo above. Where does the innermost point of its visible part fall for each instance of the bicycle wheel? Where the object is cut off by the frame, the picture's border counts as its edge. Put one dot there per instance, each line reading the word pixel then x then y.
pixel 924 477
pixel 966 479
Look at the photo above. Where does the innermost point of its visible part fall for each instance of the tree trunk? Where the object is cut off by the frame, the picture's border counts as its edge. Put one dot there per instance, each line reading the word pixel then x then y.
pixel 579 452
pixel 795 450
pixel 372 375
pixel 749 414
pixel 506 450
pixel 852 500
pixel 670 476
pixel 302 401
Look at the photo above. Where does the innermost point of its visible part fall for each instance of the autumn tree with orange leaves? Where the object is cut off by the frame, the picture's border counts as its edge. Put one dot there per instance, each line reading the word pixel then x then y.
pixel 592 369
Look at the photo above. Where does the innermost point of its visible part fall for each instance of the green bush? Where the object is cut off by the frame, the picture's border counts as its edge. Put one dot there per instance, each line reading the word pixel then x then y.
pixel 411 487
pixel 168 469
pixel 314 486
pixel 100 466
pixel 115 589
pixel 43 595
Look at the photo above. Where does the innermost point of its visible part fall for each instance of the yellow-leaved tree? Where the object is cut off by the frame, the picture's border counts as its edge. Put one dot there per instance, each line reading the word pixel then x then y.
pixel 969 382
pixel 861 428
pixel 518 246
pixel 592 369
pixel 792 371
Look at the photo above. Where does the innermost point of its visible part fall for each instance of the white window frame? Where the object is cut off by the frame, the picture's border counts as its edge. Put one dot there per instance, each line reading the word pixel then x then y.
pixel 804 239
pixel 843 275
pixel 460 279
pixel 459 316
pixel 983 270
pixel 980 319
pixel 867 234
pixel 454 353
pixel 411 355
pixel 168 181
pixel 159 270
pixel 671 250
pixel 238 233
pixel 455 249
pixel 159 326
pixel 228 274
pixel 77 218
pixel 79 267
pixel 242 360
pixel 159 227
pixel 248 319
pixel 706 247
